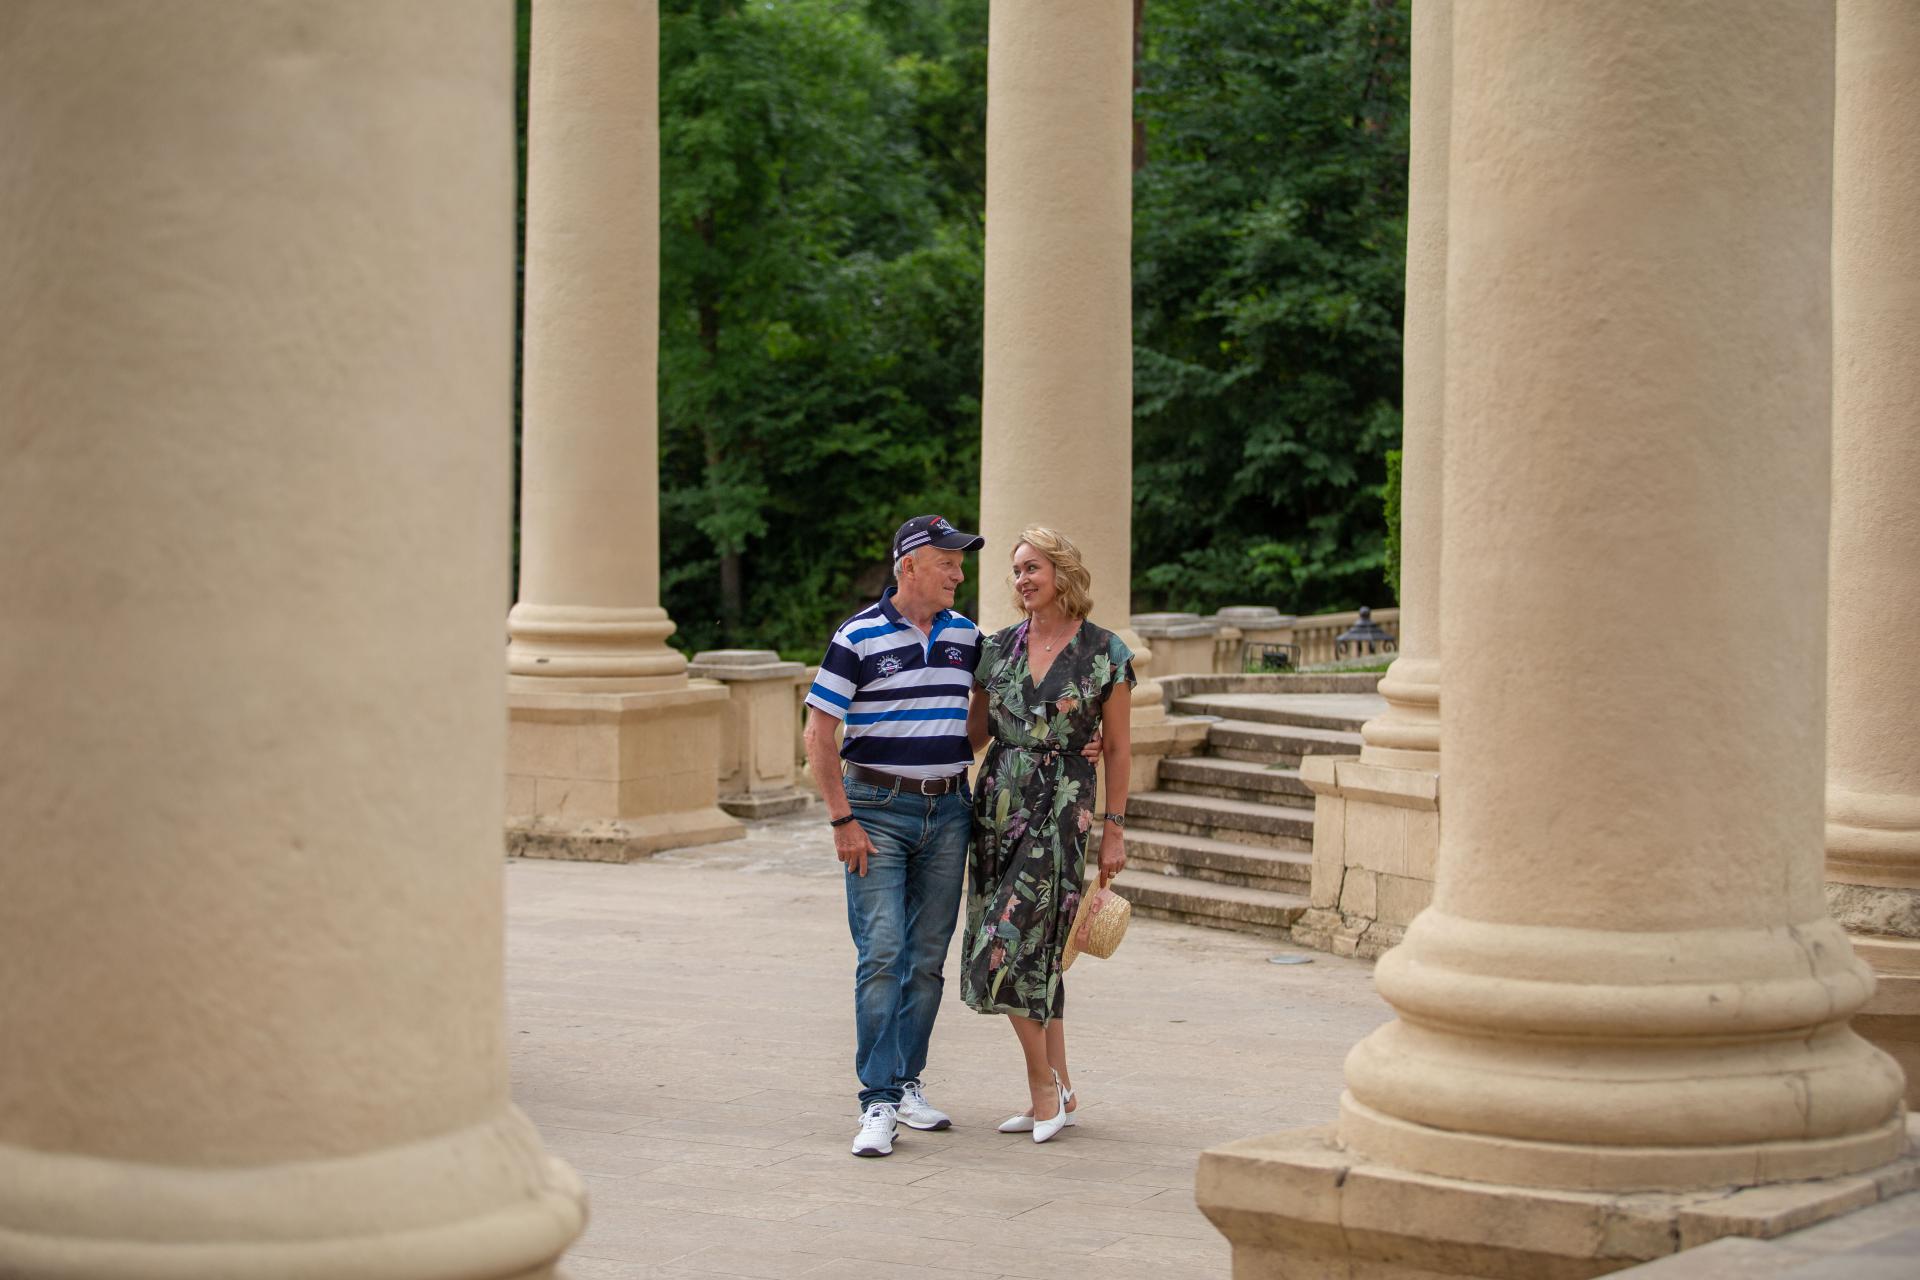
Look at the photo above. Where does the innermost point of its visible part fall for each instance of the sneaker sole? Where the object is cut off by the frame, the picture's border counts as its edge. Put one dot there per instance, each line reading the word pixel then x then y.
pixel 935 1127
pixel 874 1151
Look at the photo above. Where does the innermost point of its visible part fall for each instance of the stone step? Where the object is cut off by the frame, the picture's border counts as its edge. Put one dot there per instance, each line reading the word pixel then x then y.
pixel 1235 780
pixel 1276 744
pixel 1344 712
pixel 1216 906
pixel 1240 821
pixel 1220 861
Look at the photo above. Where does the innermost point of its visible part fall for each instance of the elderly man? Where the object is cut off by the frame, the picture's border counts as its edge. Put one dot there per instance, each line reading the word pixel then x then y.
pixel 899 674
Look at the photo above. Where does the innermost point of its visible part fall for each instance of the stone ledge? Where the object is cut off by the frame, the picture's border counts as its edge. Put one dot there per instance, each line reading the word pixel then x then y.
pixel 617 839
pixel 767 804
pixel 1296 1206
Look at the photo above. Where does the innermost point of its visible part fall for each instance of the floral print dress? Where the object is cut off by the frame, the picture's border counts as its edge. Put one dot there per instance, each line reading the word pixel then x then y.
pixel 1032 810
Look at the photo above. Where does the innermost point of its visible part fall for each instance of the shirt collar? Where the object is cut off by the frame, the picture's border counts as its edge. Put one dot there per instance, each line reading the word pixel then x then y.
pixel 898 619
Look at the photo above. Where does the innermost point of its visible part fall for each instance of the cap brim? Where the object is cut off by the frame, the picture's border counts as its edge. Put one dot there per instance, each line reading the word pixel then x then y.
pixel 959 542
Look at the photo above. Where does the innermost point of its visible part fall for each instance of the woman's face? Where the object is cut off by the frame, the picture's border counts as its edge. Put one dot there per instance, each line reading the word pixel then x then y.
pixel 1033 579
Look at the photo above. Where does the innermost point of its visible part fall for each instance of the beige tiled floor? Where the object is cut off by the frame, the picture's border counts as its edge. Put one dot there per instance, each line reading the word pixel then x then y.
pixel 682 1031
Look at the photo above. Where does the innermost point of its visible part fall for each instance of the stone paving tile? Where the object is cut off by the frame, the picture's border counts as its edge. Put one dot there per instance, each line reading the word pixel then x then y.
pixel 681 1030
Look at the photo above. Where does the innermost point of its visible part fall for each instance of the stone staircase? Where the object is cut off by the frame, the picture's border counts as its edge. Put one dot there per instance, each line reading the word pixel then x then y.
pixel 1226 840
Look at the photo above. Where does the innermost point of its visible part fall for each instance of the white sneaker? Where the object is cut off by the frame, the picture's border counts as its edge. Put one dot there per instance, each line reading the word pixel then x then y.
pixel 876 1131
pixel 917 1113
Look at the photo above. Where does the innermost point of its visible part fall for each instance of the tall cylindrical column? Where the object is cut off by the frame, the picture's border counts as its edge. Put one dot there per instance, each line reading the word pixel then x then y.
pixel 1407 734
pixel 255 368
pixel 1873 679
pixel 589 614
pixel 1628 978
pixel 1057 393
pixel 612 752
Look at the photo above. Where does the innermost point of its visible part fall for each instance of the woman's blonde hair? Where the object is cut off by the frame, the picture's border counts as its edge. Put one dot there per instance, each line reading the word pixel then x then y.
pixel 1070 576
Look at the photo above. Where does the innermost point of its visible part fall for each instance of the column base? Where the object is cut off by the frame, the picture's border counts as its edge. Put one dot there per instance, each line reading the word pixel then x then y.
pixel 1376 836
pixel 1891 1017
pixel 1296 1206
pixel 480 1204
pixel 610 777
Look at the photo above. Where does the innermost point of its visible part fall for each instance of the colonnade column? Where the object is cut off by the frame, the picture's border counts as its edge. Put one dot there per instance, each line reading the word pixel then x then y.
pixel 1377 817
pixel 254 358
pixel 1057 394
pixel 1628 985
pixel 614 753
pixel 1873 681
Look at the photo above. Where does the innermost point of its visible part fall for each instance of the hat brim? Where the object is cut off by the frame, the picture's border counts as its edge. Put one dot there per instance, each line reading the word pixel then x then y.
pixel 1071 951
pixel 958 542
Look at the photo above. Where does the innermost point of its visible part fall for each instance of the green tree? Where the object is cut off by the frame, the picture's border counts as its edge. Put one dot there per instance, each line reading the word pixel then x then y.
pixel 820 308
pixel 1269 240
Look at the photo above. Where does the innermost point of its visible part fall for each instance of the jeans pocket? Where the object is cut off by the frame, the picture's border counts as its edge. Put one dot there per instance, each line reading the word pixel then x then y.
pixel 864 795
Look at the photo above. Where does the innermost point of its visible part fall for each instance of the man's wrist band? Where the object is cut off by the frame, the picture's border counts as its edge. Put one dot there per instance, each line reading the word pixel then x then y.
pixel 841 822
pixel 1117 819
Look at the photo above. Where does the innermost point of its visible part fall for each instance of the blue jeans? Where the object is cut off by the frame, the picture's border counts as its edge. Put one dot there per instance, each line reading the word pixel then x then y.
pixel 901 914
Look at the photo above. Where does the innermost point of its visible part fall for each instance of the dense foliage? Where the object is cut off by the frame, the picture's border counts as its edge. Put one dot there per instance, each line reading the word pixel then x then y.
pixel 823 169
pixel 1269 249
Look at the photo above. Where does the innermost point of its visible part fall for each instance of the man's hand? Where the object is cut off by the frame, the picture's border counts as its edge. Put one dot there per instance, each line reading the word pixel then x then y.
pixel 1094 747
pixel 851 846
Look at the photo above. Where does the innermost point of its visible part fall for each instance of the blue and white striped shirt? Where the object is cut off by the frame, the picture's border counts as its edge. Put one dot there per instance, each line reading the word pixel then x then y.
pixel 903 694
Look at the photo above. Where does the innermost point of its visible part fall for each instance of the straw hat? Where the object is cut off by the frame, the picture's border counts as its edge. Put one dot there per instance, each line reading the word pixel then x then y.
pixel 1098 925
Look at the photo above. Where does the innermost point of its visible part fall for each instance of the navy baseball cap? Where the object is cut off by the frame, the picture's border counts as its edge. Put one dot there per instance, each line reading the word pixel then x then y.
pixel 933 531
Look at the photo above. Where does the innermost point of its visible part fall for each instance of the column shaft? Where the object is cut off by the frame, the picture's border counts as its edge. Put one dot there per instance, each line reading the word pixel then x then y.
pixel 1057 383
pixel 254 363
pixel 589 607
pixel 1628 978
pixel 1873 678
pixel 1407 735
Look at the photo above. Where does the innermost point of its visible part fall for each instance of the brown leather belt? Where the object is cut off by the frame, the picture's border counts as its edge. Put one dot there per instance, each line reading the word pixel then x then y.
pixel 917 786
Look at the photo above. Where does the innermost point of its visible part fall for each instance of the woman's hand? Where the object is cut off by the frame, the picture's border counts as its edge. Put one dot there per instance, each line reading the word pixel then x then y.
pixel 1113 855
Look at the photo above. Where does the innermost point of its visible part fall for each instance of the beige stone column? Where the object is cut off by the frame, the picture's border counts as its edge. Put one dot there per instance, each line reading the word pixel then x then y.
pixel 1627 996
pixel 1407 735
pixel 255 378
pixel 1873 636
pixel 1058 362
pixel 1378 814
pixel 614 752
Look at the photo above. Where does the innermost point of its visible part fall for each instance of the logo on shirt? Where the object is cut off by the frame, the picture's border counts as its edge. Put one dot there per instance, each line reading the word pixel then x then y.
pixel 955 655
pixel 889 666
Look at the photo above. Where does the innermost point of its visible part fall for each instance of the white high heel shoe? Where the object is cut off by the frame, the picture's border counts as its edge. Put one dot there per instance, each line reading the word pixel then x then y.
pixel 1044 1129
pixel 1023 1123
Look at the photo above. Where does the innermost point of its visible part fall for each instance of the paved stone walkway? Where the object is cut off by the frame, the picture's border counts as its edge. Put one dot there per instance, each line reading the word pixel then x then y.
pixel 682 1031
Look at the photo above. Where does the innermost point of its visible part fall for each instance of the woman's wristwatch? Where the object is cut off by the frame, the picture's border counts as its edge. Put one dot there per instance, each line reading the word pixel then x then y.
pixel 1117 819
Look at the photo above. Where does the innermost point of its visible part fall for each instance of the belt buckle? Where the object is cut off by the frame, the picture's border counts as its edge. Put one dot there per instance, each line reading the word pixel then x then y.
pixel 940 782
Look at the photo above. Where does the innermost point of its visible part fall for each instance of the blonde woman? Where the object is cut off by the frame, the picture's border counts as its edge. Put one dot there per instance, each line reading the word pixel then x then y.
pixel 1047 686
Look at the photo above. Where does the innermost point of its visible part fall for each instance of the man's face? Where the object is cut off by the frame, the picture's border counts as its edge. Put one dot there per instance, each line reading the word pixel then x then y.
pixel 935 574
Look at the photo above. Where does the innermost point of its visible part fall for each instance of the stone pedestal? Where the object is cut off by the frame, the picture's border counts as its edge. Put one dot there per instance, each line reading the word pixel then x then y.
pixel 1182 643
pixel 610 777
pixel 1627 993
pixel 614 753
pixel 757 766
pixel 255 366
pixel 1873 720
pixel 1255 625
pixel 1376 837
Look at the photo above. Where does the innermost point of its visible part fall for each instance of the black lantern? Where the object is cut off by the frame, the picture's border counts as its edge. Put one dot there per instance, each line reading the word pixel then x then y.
pixel 1364 636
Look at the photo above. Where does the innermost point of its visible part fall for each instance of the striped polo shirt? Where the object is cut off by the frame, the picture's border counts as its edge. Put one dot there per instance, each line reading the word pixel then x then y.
pixel 903 694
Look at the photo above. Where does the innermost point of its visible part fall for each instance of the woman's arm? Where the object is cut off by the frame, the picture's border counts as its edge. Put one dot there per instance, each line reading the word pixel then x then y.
pixel 1116 727
pixel 977 720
